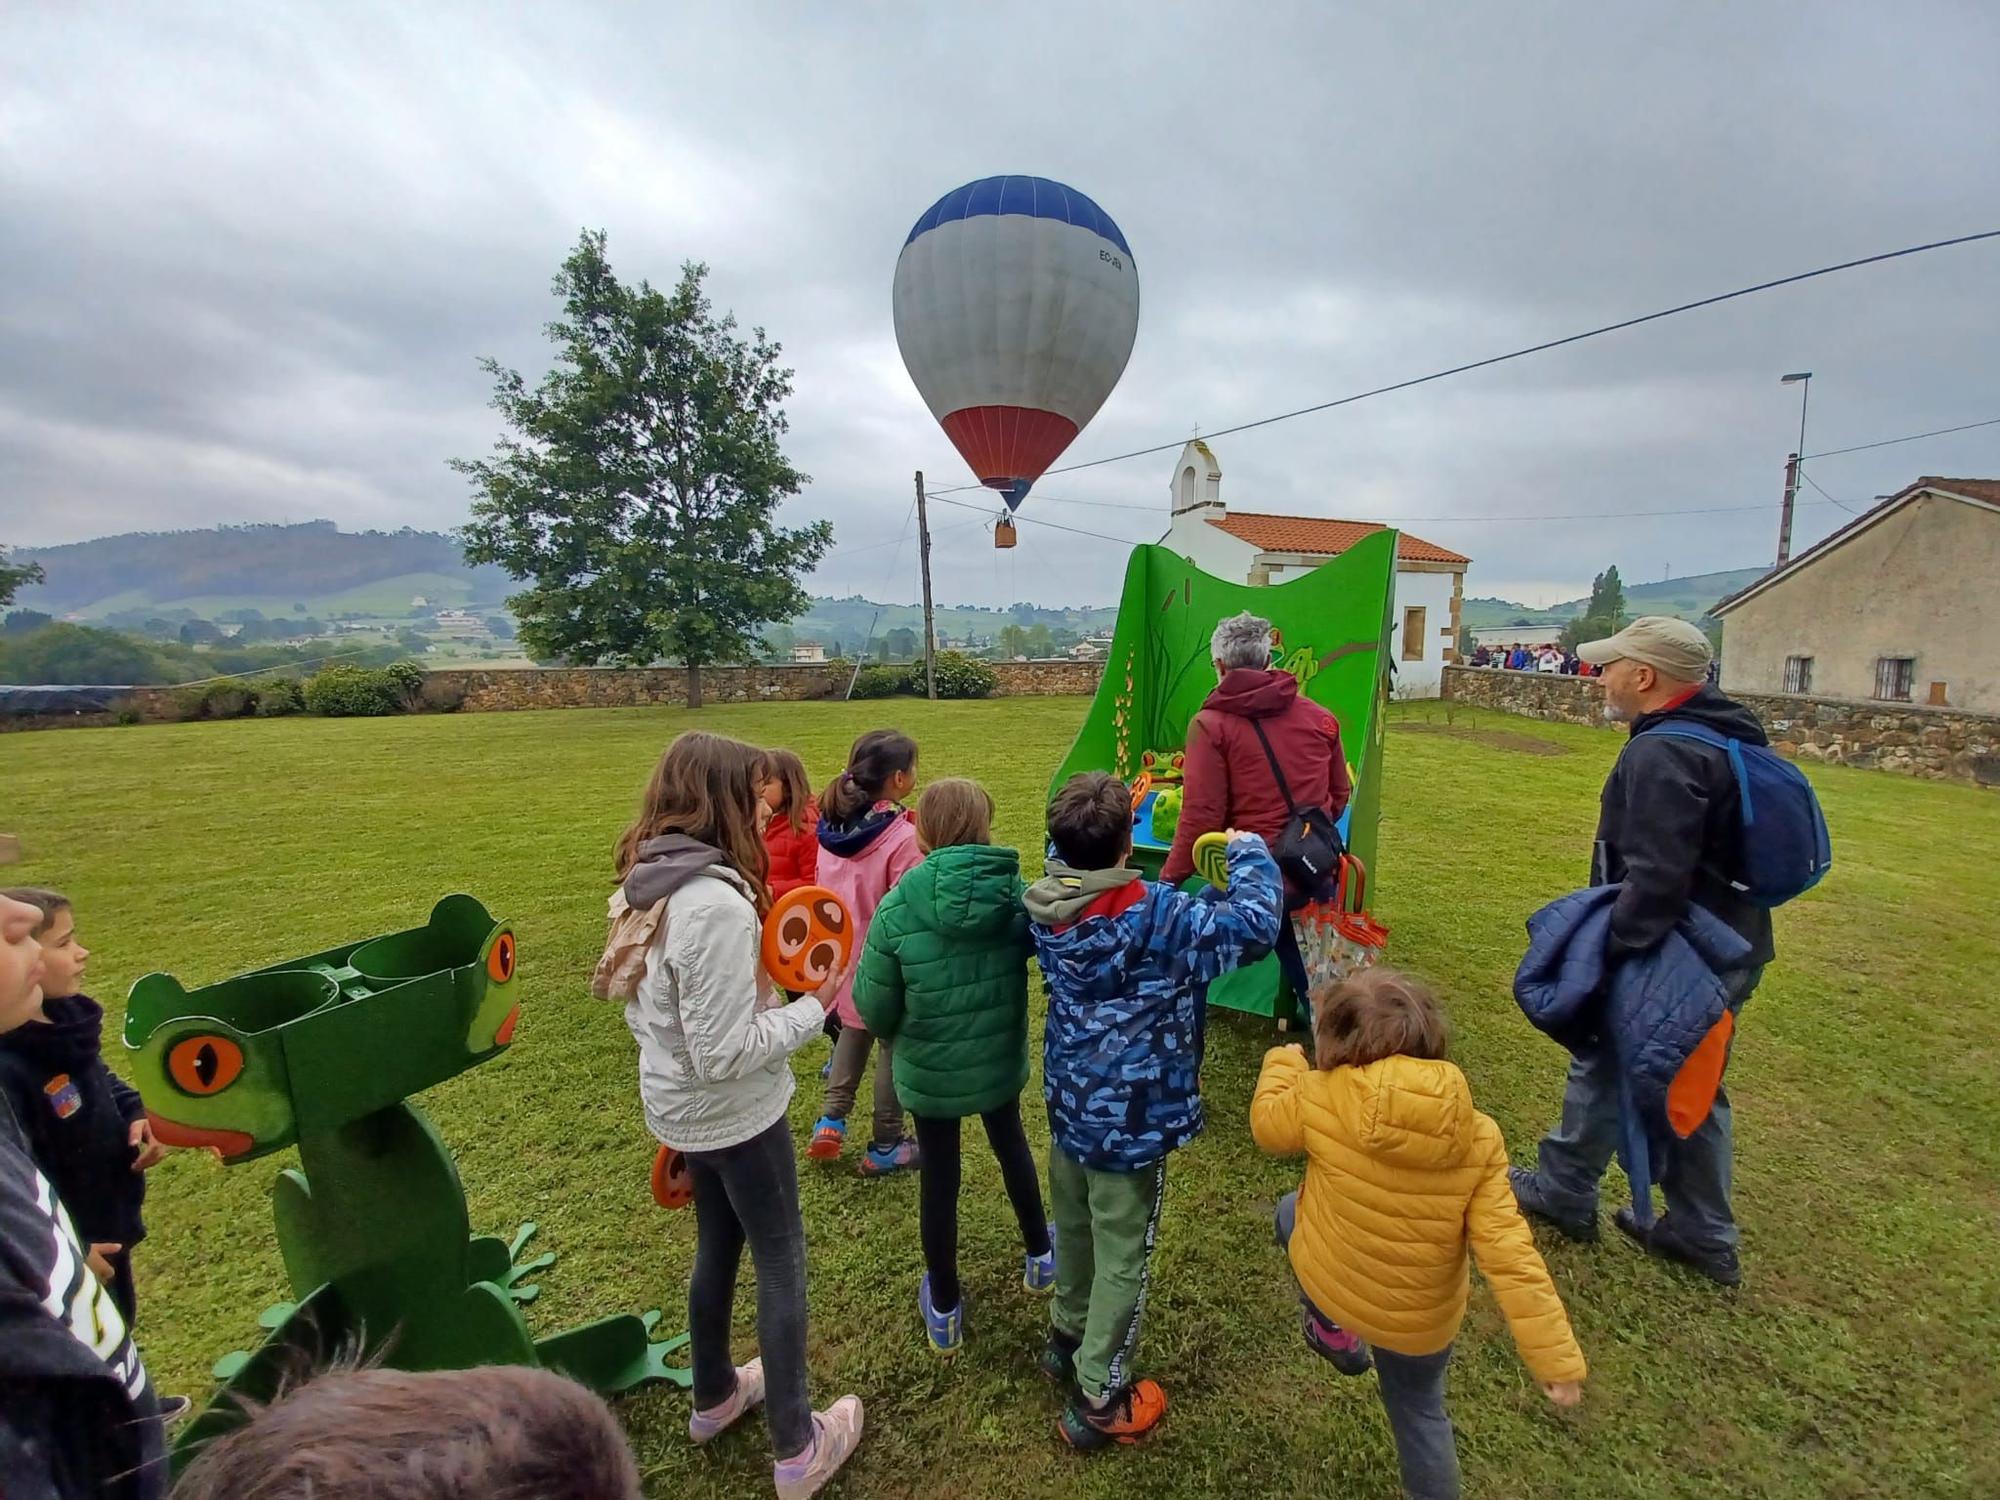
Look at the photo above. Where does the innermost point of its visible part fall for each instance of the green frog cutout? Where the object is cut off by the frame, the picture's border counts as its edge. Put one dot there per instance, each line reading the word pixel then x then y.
pixel 323 1053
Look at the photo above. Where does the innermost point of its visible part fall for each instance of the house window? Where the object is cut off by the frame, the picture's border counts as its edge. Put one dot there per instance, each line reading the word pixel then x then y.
pixel 1893 676
pixel 1413 633
pixel 1798 674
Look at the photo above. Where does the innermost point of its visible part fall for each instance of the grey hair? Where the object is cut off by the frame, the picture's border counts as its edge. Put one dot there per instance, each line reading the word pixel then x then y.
pixel 1242 641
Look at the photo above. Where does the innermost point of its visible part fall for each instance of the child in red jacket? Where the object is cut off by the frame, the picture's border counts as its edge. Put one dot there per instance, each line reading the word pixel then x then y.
pixel 791 829
pixel 791 840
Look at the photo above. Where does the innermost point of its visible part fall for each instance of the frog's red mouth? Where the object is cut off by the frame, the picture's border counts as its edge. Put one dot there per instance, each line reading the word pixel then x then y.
pixel 506 1032
pixel 227 1144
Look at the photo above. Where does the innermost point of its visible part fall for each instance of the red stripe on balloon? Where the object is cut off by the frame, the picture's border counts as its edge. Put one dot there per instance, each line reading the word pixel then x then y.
pixel 1002 444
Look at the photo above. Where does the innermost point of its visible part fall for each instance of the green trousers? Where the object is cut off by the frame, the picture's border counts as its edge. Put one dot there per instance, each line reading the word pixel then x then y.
pixel 1106 1223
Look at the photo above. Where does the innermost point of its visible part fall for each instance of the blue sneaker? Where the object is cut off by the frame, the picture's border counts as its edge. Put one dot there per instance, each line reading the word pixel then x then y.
pixel 829 1135
pixel 946 1329
pixel 882 1160
pixel 1038 1272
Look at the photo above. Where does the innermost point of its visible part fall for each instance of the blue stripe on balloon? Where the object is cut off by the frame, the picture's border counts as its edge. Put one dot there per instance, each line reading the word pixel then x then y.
pixel 1037 197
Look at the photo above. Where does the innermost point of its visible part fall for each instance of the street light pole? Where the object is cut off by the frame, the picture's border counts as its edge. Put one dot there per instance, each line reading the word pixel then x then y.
pixel 1794 466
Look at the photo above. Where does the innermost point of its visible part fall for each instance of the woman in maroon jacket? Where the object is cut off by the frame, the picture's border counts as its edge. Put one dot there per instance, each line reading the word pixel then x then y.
pixel 1228 776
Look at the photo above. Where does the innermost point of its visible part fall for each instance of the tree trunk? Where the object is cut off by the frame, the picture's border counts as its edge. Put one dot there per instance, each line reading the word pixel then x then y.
pixel 694 685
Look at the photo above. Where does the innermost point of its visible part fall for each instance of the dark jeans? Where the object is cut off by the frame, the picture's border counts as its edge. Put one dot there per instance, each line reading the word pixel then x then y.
pixel 1695 1176
pixel 751 1192
pixel 1412 1387
pixel 938 1200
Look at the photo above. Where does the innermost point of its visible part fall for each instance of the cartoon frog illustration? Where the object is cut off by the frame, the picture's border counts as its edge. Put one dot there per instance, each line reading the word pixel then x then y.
pixel 323 1053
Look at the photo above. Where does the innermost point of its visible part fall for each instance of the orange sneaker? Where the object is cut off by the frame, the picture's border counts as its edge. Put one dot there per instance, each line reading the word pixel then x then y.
pixel 1130 1414
pixel 829 1135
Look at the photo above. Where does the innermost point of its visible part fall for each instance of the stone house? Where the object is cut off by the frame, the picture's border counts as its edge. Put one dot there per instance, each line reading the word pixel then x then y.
pixel 1262 548
pixel 1900 606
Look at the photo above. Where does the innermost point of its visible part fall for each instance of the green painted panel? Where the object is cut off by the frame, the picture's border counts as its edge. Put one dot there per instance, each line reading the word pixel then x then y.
pixel 1333 632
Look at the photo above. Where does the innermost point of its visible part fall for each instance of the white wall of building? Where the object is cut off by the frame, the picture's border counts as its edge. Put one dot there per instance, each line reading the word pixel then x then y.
pixel 1431 593
pixel 1197 483
pixel 1210 548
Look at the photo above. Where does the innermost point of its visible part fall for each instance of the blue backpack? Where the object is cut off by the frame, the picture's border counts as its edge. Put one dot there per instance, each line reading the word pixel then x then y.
pixel 1786 849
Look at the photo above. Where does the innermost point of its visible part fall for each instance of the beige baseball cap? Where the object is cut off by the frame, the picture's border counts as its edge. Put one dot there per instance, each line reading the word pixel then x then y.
pixel 1669 646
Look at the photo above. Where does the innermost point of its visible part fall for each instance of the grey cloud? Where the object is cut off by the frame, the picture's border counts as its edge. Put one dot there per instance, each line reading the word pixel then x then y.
pixel 252 255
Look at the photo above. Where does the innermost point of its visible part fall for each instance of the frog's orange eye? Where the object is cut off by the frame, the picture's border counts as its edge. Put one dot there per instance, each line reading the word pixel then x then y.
pixel 204 1064
pixel 500 961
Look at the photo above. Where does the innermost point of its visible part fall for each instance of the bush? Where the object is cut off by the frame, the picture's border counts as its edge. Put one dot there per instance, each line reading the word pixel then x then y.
pixel 344 692
pixel 882 682
pixel 221 699
pixel 279 697
pixel 225 700
pixel 406 681
pixel 959 676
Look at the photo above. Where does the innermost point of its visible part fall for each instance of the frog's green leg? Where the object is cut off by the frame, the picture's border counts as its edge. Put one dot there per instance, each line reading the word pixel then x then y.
pixel 309 1331
pixel 616 1354
pixel 270 1319
pixel 490 1258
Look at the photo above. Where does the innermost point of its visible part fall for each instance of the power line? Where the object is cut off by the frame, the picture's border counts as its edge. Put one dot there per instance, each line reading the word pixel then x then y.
pixel 1574 338
pixel 1102 536
pixel 1822 489
pixel 1890 442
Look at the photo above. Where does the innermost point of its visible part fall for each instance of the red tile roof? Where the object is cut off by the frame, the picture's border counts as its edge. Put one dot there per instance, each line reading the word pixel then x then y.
pixel 1324 537
pixel 1973 489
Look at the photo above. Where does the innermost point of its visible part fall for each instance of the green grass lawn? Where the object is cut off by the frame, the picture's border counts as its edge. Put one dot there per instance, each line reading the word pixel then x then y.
pixel 1857 1360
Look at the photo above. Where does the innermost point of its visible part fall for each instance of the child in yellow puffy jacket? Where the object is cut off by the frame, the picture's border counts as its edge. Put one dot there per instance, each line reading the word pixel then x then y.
pixel 1403 1177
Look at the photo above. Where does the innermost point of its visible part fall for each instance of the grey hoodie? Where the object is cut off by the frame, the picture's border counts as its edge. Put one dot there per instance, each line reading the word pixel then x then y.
pixel 1059 897
pixel 666 864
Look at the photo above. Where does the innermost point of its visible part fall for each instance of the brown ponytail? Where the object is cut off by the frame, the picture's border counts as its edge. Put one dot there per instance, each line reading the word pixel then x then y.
pixel 877 755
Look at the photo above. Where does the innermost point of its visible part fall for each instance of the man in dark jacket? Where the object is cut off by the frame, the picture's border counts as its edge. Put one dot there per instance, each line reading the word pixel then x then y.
pixel 1670 829
pixel 1228 778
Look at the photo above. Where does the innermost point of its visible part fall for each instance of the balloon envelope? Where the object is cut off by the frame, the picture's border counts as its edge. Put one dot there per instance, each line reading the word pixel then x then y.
pixel 1016 305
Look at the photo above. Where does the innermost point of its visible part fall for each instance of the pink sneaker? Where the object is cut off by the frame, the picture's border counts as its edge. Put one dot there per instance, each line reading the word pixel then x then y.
pixel 748 1395
pixel 836 1434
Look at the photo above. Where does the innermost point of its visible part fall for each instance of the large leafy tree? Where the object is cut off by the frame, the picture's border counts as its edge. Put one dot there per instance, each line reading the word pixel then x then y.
pixel 638 486
pixel 1603 616
pixel 15 576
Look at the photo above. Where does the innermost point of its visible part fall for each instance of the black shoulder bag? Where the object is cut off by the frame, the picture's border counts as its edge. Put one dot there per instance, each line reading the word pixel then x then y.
pixel 1308 849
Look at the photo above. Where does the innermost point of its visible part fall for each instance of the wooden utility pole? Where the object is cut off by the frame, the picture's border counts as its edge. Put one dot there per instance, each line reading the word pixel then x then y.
pixel 924 560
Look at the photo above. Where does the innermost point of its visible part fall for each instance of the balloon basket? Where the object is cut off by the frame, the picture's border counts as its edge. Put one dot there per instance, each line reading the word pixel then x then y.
pixel 1004 534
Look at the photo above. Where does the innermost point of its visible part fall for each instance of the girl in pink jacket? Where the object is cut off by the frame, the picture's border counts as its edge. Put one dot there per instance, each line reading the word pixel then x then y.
pixel 866 842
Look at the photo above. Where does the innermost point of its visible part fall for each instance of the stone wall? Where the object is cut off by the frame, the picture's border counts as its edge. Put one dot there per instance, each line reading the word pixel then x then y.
pixel 497 689
pixel 502 688
pixel 1939 744
pixel 1536 695
pixel 1047 679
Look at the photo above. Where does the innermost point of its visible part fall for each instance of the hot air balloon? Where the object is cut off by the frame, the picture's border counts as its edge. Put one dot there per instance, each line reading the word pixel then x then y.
pixel 1016 305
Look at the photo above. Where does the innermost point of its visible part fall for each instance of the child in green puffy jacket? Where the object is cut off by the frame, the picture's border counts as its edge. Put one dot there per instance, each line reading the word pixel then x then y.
pixel 944 976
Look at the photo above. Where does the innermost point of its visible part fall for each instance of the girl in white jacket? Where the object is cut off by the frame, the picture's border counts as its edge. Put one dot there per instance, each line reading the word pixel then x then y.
pixel 715 1038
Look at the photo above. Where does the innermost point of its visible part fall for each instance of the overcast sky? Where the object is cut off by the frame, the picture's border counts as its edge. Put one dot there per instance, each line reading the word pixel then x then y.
pixel 251 252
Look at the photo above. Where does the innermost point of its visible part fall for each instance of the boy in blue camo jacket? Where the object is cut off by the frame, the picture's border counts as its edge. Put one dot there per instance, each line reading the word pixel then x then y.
pixel 1127 964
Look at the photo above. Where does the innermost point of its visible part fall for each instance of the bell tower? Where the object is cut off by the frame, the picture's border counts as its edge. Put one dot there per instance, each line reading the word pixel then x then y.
pixel 1197 482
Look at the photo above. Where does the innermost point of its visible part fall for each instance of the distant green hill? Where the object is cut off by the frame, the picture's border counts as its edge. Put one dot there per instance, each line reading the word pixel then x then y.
pixel 847 622
pixel 274 569
pixel 1690 598
pixel 317 569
